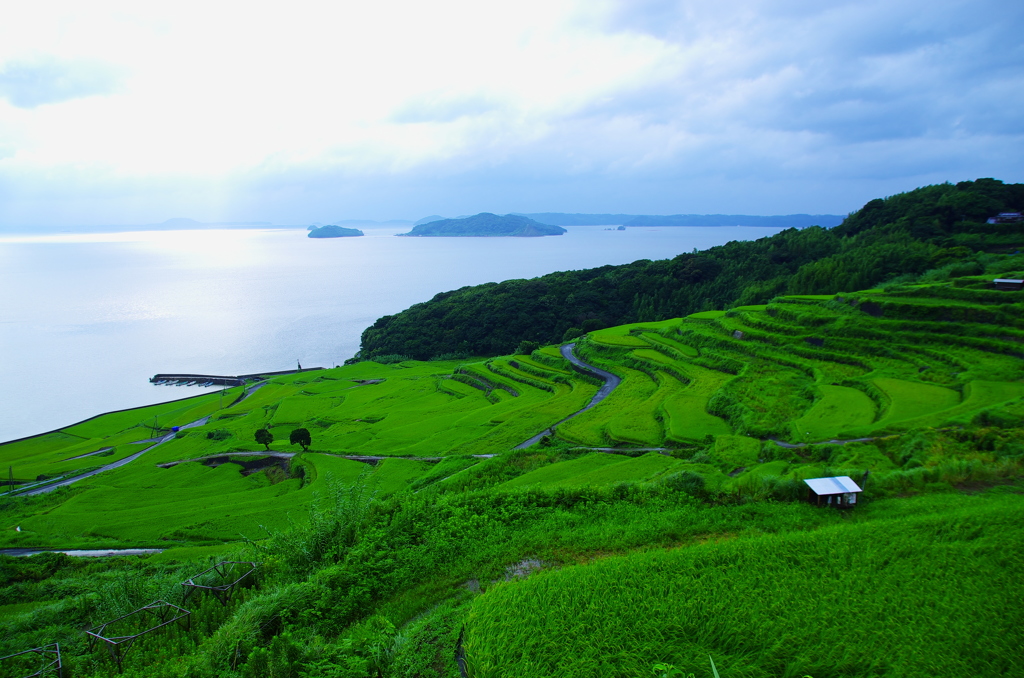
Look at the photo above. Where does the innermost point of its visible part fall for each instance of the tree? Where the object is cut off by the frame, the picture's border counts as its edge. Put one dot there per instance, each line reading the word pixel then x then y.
pixel 300 436
pixel 265 437
pixel 527 347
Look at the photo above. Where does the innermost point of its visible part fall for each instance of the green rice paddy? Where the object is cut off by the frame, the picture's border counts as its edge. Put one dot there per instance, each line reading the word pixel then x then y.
pixel 839 409
pixel 803 369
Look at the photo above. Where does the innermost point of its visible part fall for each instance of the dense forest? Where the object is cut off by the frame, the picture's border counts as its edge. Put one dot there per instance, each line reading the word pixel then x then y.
pixel 935 227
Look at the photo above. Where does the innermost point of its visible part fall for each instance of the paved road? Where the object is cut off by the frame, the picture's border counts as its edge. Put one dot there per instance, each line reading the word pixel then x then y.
pixel 611 382
pixel 117 464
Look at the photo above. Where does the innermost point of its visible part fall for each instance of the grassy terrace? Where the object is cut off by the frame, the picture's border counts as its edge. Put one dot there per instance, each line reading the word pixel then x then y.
pixel 694 544
pixel 802 369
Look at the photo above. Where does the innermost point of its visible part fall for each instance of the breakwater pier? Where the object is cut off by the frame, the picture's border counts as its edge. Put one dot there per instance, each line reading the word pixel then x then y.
pixel 219 380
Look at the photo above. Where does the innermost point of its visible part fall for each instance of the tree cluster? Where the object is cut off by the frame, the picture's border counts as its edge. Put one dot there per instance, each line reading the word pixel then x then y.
pixel 299 436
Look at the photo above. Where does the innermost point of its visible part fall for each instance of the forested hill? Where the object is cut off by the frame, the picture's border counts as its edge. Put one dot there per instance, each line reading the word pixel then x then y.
pixel 486 224
pixel 936 227
pixel 333 231
pixel 780 221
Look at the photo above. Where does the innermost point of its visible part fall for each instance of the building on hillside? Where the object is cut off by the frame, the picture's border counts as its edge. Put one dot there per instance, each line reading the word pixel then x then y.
pixel 839 492
pixel 1006 218
pixel 1008 284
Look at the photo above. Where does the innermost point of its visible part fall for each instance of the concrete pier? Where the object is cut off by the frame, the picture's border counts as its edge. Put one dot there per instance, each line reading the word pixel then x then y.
pixel 221 380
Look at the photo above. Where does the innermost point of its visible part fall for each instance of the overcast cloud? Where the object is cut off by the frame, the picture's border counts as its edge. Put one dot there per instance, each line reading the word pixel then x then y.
pixel 112 112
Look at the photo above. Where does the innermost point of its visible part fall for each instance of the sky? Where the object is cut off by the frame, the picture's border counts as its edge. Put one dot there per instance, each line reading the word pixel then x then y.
pixel 300 112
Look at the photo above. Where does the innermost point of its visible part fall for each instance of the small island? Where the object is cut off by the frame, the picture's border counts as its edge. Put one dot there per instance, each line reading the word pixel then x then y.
pixel 486 224
pixel 331 231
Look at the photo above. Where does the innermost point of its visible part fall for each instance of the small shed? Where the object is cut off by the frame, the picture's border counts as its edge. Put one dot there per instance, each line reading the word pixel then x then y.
pixel 1008 284
pixel 840 491
pixel 1006 218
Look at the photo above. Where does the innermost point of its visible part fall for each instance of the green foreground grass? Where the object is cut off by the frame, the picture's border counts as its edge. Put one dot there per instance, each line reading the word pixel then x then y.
pixel 629 576
pixel 919 595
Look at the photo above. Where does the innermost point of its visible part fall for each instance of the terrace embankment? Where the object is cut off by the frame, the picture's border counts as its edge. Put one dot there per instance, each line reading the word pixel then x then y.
pixel 251 462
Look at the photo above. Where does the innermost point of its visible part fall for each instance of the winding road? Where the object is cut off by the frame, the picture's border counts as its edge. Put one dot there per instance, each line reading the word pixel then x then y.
pixel 120 462
pixel 611 382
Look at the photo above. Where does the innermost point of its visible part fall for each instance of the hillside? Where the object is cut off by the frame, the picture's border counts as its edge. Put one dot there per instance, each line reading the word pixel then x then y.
pixel 485 225
pixel 413 529
pixel 903 235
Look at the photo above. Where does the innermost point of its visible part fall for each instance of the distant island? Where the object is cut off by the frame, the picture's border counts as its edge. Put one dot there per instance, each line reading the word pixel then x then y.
pixel 486 225
pixel 332 231
pixel 778 221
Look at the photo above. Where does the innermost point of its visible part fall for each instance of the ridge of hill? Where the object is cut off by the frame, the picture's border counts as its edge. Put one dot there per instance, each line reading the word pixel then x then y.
pixel 902 235
pixel 779 221
pixel 782 220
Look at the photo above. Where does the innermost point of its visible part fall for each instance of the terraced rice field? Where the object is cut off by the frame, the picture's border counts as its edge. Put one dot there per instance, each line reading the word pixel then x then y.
pixel 810 368
pixel 840 409
pixel 715 385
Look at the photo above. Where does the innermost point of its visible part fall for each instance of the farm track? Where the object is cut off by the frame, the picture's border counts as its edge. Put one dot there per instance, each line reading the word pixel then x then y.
pixel 793 446
pixel 80 553
pixel 113 465
pixel 369 459
pixel 611 382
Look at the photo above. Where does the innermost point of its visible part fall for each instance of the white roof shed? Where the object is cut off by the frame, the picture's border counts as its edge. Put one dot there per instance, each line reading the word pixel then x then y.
pixel 839 492
pixel 836 485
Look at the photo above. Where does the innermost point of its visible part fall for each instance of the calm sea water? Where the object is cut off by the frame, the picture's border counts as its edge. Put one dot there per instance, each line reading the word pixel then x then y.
pixel 85 320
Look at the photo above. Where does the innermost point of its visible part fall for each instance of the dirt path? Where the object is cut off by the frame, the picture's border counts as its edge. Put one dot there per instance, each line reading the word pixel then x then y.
pixel 81 553
pixel 793 446
pixel 611 382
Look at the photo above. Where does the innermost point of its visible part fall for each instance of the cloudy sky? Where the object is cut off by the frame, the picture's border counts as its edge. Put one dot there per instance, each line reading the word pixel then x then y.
pixel 129 112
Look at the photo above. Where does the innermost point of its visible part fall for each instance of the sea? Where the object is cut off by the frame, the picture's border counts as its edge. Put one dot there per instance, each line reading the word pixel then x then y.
pixel 87 318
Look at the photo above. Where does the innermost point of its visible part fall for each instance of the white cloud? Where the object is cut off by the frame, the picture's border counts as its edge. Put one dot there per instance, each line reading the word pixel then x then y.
pixel 134 102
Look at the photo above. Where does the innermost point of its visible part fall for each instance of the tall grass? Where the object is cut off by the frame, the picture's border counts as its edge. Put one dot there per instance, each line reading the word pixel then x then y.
pixel 922 595
pixel 334 524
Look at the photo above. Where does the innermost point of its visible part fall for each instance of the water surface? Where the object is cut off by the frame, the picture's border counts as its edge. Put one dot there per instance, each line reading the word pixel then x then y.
pixel 85 320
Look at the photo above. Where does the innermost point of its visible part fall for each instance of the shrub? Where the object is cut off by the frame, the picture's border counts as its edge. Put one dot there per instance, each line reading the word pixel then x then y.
pixel 390 359
pixel 689 482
